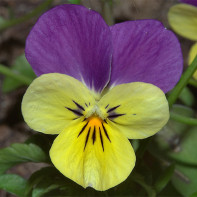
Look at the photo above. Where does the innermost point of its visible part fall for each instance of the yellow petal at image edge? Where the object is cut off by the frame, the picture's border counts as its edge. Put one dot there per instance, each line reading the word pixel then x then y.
pixel 192 55
pixel 144 106
pixel 45 101
pixel 96 166
pixel 183 20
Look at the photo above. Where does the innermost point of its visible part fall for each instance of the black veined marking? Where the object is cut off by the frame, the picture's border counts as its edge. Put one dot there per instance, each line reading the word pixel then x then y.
pixel 94 135
pixel 83 128
pixel 113 108
pixel 106 132
pixel 79 106
pixel 101 138
pixel 106 106
pixel 87 138
pixel 115 115
pixel 76 112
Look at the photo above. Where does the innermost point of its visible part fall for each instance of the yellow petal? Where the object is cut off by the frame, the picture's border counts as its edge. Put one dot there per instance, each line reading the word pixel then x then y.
pixel 183 20
pixel 92 154
pixel 192 55
pixel 53 101
pixel 138 109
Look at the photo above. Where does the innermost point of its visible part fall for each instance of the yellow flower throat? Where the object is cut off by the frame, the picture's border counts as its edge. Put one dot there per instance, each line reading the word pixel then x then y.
pixel 94 126
pixel 94 120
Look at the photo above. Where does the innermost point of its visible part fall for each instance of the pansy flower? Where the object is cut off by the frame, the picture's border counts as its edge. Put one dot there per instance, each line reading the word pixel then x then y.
pixel 183 20
pixel 97 87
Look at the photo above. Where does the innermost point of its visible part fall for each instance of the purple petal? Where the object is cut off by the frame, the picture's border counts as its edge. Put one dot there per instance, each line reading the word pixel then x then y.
pixel 72 40
pixel 144 51
pixel 192 2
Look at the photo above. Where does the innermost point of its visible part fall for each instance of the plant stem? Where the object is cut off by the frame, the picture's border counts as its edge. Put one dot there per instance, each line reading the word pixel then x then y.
pixel 10 73
pixel 26 17
pixel 107 9
pixel 193 82
pixel 182 83
pixel 139 179
pixel 183 119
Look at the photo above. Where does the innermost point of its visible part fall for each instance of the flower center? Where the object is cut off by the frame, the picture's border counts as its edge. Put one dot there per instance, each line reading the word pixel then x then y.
pixel 94 129
pixel 94 111
pixel 95 122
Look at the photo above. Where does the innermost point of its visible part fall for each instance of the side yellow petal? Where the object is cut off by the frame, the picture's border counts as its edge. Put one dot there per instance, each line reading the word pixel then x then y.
pixel 192 55
pixel 183 20
pixel 92 156
pixel 53 101
pixel 138 109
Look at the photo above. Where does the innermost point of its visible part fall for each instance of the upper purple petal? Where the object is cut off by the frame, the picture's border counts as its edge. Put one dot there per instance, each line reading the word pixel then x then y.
pixel 72 40
pixel 145 51
pixel 192 2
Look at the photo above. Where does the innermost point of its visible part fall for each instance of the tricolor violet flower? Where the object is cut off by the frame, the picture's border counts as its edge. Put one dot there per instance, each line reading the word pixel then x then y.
pixel 98 86
pixel 183 19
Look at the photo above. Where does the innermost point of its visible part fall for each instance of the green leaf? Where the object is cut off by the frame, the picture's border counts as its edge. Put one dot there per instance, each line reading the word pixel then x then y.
pixel 177 144
pixel 13 184
pixel 185 180
pixel 169 190
pixel 193 82
pixel 42 140
pixel 187 97
pixel 45 180
pixel 183 119
pixel 169 137
pixel 164 178
pixel 20 153
pixel 50 182
pixel 75 1
pixel 135 144
pixel 20 66
pixel 140 180
pixel 44 188
pixel 193 195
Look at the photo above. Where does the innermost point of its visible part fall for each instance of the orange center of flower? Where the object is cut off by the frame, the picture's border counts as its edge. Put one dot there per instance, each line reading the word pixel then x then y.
pixel 93 127
pixel 95 121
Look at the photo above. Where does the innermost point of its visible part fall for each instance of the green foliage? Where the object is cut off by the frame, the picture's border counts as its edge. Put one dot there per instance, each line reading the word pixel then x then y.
pixel 13 184
pixel 169 190
pixel 42 141
pixel 187 97
pixel 2 20
pixel 182 82
pixel 185 179
pixel 42 182
pixel 15 21
pixel 49 179
pixel 75 1
pixel 193 195
pixel 20 153
pixel 20 66
pixel 176 144
pixel 164 178
pixel 140 180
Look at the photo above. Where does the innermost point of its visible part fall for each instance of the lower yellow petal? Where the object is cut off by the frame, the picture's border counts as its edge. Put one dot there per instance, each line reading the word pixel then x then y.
pixel 192 55
pixel 138 109
pixel 183 20
pixel 93 155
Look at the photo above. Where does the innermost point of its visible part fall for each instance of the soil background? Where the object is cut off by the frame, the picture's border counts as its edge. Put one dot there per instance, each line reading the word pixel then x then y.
pixel 12 43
